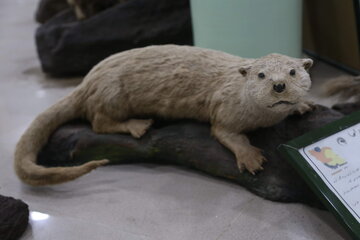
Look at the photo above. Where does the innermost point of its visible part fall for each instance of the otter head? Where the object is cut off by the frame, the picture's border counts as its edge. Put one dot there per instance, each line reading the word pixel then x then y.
pixel 277 82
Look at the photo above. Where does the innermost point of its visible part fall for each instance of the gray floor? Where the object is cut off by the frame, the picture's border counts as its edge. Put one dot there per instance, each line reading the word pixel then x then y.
pixel 129 202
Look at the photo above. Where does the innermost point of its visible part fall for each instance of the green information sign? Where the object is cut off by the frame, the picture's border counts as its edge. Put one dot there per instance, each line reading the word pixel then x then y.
pixel 328 159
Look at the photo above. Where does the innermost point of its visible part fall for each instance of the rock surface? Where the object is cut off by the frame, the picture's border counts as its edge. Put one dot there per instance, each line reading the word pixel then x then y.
pixel 69 47
pixel 14 218
pixel 189 144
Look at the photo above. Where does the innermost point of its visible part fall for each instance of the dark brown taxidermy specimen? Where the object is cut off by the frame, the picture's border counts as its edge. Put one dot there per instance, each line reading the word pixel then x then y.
pixel 14 218
pixel 87 8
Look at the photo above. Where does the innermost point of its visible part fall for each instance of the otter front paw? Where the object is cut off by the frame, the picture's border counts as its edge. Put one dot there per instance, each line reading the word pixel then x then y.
pixel 304 107
pixel 251 160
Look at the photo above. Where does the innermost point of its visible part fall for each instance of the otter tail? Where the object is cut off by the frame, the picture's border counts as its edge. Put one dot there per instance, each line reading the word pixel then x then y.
pixel 35 138
pixel 345 87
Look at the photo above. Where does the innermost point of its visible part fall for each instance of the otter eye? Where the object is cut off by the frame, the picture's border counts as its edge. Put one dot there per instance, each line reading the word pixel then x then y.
pixel 261 75
pixel 292 72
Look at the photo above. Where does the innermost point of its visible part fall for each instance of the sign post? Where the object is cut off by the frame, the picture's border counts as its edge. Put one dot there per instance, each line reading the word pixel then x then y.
pixel 328 159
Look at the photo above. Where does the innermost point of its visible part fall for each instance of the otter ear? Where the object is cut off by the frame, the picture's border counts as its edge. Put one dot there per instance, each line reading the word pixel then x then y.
pixel 244 70
pixel 307 63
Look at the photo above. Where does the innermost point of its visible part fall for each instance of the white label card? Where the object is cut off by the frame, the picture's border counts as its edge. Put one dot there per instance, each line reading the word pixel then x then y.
pixel 336 159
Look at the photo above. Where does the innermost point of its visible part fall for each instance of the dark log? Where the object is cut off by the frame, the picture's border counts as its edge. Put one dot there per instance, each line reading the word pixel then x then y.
pixel 67 46
pixel 347 108
pixel 189 144
pixel 14 218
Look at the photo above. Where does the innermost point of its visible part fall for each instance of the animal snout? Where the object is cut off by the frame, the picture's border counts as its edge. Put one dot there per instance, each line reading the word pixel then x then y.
pixel 279 87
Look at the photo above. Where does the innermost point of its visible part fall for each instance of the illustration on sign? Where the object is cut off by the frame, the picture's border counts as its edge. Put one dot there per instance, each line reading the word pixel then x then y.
pixel 327 156
pixel 336 160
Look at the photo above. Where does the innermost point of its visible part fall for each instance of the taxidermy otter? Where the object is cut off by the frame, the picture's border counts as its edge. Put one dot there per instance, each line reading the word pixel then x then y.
pixel 346 87
pixel 122 92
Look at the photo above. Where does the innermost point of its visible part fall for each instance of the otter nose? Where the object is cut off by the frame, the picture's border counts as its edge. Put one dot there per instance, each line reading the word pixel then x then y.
pixel 279 87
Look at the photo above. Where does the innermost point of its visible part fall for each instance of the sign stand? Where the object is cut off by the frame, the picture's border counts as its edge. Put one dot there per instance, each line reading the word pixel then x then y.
pixel 328 159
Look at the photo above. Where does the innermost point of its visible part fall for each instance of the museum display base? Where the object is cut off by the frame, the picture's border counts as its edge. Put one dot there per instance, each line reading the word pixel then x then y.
pixel 189 144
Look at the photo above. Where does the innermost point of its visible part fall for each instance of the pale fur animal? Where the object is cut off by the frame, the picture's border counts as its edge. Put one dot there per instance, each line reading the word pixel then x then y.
pixel 172 82
pixel 345 87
